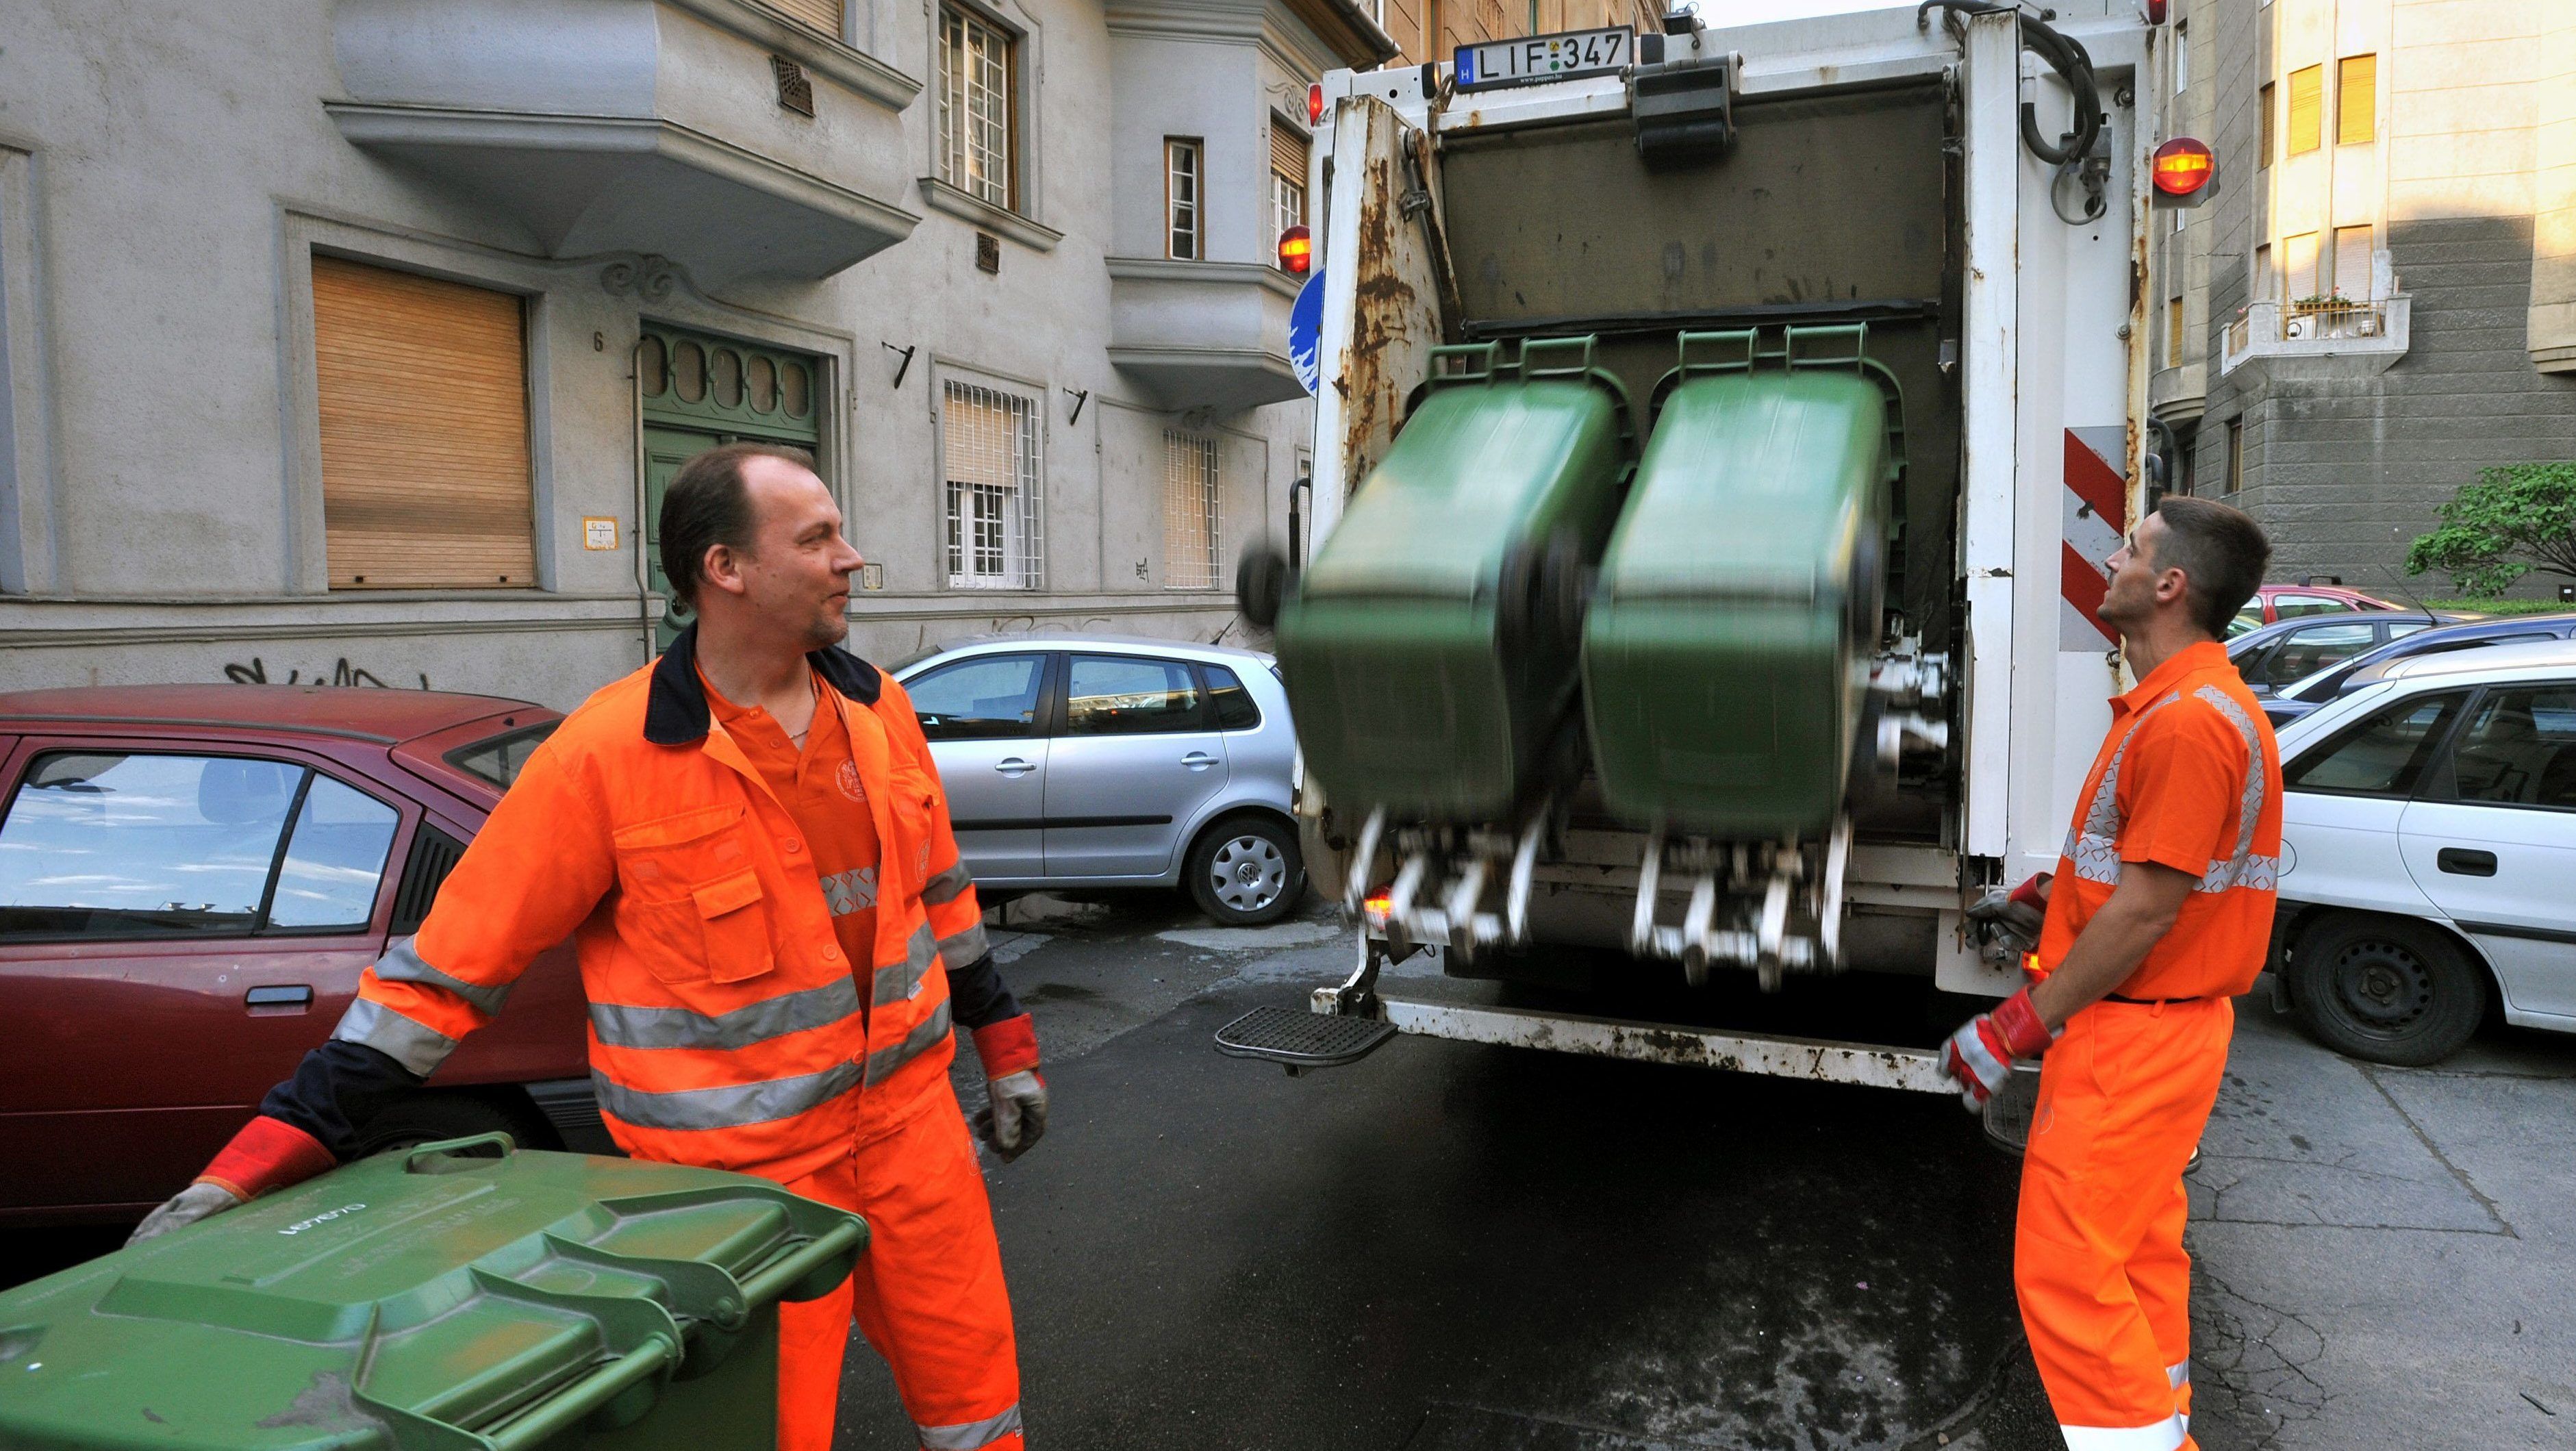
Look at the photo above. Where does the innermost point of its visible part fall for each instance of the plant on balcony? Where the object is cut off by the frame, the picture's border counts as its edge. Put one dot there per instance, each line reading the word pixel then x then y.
pixel 2324 302
pixel 2515 519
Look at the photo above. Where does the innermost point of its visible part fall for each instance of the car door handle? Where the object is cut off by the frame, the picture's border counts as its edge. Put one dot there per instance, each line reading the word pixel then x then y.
pixel 2466 861
pixel 1198 760
pixel 295 995
pixel 1013 766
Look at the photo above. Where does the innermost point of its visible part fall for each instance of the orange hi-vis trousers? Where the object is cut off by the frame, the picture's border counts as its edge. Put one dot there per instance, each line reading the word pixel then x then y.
pixel 928 1294
pixel 2098 1262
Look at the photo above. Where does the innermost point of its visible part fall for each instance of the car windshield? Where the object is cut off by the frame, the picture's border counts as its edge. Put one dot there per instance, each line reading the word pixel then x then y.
pixel 499 759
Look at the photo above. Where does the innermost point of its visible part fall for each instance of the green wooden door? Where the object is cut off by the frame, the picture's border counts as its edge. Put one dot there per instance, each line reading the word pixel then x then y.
pixel 665 449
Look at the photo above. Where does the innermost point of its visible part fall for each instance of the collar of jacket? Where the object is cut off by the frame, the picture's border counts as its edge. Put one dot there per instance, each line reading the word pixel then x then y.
pixel 675 713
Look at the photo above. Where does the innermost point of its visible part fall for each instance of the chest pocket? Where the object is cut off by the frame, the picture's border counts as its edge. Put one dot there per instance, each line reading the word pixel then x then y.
pixel 915 796
pixel 692 907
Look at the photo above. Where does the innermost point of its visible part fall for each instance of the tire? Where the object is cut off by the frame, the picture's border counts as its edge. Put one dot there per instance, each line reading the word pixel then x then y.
pixel 1246 871
pixel 427 1118
pixel 2386 989
pixel 1261 581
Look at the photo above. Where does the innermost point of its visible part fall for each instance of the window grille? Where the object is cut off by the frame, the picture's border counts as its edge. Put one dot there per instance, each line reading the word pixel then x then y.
pixel 989 449
pixel 975 142
pixel 1181 199
pixel 1193 530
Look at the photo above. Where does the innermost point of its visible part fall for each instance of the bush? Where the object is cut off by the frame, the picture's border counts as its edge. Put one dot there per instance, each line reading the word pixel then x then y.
pixel 2515 519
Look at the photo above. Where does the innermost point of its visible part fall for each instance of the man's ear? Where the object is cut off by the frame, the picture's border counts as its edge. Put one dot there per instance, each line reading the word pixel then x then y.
pixel 721 569
pixel 2172 585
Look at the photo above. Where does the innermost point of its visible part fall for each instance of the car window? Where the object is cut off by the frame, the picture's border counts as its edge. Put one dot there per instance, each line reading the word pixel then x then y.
pixel 2403 628
pixel 1126 695
pixel 2290 607
pixel 2381 756
pixel 2248 618
pixel 987 697
pixel 1235 710
pixel 109 844
pixel 2308 650
pixel 335 857
pixel 2518 749
pixel 499 759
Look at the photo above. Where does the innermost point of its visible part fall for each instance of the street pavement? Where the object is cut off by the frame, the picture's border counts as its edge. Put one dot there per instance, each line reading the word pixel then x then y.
pixel 1447 1246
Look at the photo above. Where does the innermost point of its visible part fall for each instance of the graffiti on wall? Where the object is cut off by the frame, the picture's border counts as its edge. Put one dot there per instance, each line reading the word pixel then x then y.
pixel 342 673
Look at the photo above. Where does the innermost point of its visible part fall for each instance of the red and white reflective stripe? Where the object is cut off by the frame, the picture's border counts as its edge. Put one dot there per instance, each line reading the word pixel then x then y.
pixel 2164 1435
pixel 2096 517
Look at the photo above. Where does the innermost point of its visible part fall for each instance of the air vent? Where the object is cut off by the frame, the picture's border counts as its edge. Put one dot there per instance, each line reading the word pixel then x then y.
pixel 433 856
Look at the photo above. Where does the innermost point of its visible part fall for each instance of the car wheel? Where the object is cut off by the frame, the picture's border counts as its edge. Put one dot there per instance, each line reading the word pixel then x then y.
pixel 2386 989
pixel 1246 871
pixel 427 1118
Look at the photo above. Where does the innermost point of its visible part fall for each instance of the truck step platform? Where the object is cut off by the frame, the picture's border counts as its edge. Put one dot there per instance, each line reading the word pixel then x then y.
pixel 1298 1040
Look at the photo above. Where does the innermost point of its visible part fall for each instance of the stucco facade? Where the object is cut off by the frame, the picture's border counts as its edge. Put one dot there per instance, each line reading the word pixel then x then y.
pixel 169 172
pixel 2383 303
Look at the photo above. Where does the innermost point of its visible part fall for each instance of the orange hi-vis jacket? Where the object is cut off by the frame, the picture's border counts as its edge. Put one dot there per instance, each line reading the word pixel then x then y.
pixel 727 1027
pixel 2189 778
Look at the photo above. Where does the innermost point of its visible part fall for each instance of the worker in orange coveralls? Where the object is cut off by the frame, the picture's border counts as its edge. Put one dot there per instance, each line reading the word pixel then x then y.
pixel 749 844
pixel 2159 912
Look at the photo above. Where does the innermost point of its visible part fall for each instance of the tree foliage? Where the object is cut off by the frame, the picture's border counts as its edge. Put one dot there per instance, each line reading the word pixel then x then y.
pixel 2513 520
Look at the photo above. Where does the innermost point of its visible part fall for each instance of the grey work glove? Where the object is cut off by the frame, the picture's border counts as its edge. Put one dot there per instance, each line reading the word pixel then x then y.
pixel 2012 916
pixel 200 1200
pixel 1015 1114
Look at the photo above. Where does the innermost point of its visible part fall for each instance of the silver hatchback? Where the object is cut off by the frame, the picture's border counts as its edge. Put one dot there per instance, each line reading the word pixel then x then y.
pixel 1107 761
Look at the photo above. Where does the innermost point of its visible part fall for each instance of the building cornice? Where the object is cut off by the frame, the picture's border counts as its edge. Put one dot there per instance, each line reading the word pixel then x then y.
pixel 941 197
pixel 1165 269
pixel 824 55
pixel 1346 32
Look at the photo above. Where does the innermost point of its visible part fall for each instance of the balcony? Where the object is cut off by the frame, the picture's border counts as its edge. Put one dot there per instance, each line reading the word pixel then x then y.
pixel 658 130
pixel 1208 335
pixel 2319 338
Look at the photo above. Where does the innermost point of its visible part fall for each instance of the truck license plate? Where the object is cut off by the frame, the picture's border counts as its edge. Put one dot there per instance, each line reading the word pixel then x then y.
pixel 1545 58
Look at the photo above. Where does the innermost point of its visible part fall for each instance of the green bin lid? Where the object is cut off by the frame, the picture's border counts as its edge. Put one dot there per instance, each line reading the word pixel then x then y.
pixel 461 1297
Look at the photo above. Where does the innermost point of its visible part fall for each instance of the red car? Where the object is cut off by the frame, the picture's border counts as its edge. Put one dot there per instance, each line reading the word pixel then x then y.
pixel 2276 602
pixel 191 880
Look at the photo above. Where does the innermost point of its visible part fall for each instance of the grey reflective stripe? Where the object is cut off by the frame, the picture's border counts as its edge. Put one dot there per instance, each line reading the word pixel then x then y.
pixel 945 886
pixel 965 947
pixel 896 982
pixel 415 1047
pixel 2243 868
pixel 624 1026
pixel 2095 846
pixel 2178 1374
pixel 971 1436
pixel 402 963
pixel 852 891
pixel 728 1107
pixel 932 1032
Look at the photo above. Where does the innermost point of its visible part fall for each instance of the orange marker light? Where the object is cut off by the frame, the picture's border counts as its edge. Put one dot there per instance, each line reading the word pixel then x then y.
pixel 1296 250
pixel 1315 104
pixel 2183 166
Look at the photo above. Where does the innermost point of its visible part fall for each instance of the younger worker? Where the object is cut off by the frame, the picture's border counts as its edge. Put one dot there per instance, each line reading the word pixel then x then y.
pixel 748 843
pixel 2160 911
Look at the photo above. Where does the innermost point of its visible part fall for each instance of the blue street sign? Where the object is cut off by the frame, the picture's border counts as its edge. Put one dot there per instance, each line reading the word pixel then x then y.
pixel 1306 332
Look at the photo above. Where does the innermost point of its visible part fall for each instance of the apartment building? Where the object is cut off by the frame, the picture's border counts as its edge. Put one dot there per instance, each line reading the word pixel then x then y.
pixel 354 340
pixel 2380 300
pixel 1432 30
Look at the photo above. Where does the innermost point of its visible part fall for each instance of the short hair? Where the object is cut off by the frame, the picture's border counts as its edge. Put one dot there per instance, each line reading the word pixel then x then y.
pixel 2221 552
pixel 705 505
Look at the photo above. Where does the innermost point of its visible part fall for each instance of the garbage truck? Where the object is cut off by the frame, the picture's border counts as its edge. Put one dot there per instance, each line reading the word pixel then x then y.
pixel 1719 434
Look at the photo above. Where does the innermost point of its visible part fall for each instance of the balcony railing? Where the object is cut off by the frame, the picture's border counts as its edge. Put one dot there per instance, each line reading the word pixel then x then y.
pixel 2373 332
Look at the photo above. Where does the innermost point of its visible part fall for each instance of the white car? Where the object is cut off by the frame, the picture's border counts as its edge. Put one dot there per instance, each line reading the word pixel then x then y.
pixel 2428 862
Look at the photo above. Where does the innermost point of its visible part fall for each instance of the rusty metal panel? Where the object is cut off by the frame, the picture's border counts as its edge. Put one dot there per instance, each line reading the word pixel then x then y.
pixel 1382 278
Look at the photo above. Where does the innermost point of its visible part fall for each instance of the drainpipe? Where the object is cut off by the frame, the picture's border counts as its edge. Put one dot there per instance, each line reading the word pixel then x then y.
pixel 643 567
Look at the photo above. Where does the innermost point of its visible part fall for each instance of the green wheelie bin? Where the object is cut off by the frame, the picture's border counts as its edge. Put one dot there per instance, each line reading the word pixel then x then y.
pixel 1727 649
pixel 1429 648
pixel 461 1297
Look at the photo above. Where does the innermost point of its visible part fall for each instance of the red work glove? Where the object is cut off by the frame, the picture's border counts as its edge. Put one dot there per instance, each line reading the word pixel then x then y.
pixel 267 1154
pixel 1981 1053
pixel 1015 1113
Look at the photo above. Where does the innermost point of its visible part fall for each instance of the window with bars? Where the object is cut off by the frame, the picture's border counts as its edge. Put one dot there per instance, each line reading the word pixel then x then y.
pixel 1181 212
pixel 1193 531
pixel 989 456
pixel 976 141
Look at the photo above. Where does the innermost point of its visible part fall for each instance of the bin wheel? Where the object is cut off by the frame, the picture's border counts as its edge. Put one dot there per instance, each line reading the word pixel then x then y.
pixel 1561 595
pixel 426 1118
pixel 1260 584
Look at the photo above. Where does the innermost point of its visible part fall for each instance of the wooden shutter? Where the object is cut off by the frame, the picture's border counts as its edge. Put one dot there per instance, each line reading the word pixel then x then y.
pixel 2307 108
pixel 424 431
pixel 2270 127
pixel 2356 99
pixel 1287 152
pixel 823 15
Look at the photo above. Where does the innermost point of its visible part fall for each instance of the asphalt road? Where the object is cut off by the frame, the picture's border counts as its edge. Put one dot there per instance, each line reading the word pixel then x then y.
pixel 1452 1246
